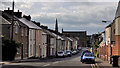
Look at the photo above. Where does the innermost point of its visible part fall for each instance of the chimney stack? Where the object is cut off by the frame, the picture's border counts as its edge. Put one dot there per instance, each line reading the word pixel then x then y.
pixel 8 8
pixel 18 14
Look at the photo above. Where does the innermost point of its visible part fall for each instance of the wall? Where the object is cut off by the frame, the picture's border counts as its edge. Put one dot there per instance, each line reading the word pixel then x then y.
pixel 44 46
pixel 32 43
pixel 38 42
pixel 107 32
pixel 22 38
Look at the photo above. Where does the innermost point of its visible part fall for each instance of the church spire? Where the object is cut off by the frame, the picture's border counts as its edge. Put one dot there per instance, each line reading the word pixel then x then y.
pixel 56 26
pixel 62 30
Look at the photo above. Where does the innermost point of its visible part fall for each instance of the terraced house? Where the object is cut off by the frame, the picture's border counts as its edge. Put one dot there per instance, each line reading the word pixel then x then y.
pixel 20 32
pixel 112 39
pixel 117 31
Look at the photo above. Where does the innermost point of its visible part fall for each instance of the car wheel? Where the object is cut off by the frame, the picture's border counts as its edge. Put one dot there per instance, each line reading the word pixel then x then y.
pixel 82 62
pixel 93 62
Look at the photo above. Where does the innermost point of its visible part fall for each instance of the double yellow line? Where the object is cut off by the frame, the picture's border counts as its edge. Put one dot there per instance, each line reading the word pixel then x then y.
pixel 95 65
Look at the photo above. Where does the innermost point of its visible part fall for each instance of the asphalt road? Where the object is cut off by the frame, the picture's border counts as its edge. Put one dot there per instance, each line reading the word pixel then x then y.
pixel 71 62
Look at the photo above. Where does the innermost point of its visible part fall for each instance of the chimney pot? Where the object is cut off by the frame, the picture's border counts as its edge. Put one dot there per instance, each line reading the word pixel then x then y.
pixel 18 10
pixel 8 8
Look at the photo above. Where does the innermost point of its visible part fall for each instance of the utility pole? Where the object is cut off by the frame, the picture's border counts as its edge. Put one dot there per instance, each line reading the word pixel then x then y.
pixel 12 20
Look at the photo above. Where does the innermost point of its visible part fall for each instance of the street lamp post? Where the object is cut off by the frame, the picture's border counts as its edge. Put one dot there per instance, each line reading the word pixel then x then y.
pixel 110 40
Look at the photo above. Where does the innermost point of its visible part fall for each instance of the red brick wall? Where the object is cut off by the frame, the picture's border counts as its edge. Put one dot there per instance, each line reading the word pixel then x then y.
pixel 117 46
pixel 102 52
pixel 108 52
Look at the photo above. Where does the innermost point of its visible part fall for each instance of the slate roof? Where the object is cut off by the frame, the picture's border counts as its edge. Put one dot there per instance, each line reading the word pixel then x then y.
pixel 4 21
pixel 28 23
pixel 48 32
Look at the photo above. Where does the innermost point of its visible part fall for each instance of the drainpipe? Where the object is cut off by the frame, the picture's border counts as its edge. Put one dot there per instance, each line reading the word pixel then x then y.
pixel 105 45
pixel 110 43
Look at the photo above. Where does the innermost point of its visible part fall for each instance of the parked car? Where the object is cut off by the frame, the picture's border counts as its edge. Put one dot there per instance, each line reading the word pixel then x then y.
pixel 79 48
pixel 65 54
pixel 88 57
pixel 68 52
pixel 60 54
pixel 74 52
pixel 83 52
pixel 77 51
pixel 86 47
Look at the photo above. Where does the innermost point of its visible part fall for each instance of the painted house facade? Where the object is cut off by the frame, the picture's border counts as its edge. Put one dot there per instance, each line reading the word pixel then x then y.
pixel 39 43
pixel 31 36
pixel 50 40
pixel 44 45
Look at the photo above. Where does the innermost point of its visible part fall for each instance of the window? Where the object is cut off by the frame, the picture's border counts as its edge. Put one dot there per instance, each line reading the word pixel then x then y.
pixel 18 51
pixel 16 24
pixel 26 31
pixel 16 29
pixel 114 31
pixel 22 31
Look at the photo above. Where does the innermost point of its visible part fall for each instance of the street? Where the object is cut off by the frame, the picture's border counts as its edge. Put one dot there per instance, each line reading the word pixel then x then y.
pixel 70 62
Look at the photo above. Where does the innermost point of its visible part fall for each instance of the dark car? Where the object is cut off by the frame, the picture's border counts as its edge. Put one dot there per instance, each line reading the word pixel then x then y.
pixel 68 52
pixel 83 52
pixel 88 57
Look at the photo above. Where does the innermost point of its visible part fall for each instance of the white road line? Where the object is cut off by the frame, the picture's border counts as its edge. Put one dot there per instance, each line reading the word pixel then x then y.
pixel 55 62
pixel 97 65
pixel 46 65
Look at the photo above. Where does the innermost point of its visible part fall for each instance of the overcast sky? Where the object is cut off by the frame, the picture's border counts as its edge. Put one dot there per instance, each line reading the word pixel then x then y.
pixel 82 15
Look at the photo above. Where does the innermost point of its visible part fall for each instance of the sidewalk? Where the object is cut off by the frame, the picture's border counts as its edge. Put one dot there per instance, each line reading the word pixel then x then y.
pixel 103 64
pixel 18 61
pixel 26 60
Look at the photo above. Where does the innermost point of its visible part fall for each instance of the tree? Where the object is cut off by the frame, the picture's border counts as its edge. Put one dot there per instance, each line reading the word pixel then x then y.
pixel 9 49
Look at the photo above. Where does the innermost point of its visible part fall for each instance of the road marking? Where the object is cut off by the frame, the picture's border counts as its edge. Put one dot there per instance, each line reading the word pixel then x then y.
pixel 97 65
pixel 46 65
pixel 55 62
pixel 93 65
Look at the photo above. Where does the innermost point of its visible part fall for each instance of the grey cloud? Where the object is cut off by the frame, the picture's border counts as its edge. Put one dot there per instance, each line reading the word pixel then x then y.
pixel 71 15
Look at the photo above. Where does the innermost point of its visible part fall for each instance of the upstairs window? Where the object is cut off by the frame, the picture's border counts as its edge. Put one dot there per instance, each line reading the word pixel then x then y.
pixel 16 29
pixel 114 31
pixel 16 24
pixel 26 30
pixel 22 31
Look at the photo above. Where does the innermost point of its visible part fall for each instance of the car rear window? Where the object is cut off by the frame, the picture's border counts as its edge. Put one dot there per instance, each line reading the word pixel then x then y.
pixel 89 54
pixel 67 51
pixel 86 52
pixel 60 52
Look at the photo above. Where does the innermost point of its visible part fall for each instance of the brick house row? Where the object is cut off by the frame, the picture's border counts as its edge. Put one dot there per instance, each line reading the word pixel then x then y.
pixel 111 37
pixel 37 41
